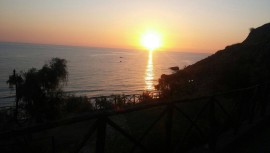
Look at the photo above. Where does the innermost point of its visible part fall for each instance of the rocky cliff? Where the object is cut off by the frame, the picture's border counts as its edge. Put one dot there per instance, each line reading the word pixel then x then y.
pixel 237 66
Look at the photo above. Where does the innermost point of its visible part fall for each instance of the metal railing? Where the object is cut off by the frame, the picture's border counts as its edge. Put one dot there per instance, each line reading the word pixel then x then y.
pixel 7 113
pixel 108 102
pixel 175 126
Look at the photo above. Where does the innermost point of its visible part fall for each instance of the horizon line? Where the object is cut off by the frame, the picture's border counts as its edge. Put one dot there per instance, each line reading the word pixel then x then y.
pixel 85 46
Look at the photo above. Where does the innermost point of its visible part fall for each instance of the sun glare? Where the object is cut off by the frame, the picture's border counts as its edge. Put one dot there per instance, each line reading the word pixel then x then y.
pixel 151 40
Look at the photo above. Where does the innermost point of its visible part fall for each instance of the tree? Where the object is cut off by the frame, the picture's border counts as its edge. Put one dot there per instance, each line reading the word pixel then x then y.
pixel 40 91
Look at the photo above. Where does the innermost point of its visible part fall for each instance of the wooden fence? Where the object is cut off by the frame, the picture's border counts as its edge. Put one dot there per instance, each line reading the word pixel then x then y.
pixel 175 126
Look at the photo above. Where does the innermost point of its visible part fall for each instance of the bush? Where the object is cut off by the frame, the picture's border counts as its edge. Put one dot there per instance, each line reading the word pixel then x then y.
pixel 75 104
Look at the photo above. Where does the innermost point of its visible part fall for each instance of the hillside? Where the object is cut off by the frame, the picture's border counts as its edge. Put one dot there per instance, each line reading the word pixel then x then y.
pixel 237 66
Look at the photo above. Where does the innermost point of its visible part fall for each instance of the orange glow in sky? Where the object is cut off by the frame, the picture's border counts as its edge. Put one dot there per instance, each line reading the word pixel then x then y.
pixel 199 26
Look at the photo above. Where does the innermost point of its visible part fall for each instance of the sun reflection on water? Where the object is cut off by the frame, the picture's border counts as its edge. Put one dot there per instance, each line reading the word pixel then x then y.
pixel 149 73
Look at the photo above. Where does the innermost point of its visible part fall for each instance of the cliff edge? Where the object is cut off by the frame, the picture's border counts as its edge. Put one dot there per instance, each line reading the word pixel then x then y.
pixel 237 66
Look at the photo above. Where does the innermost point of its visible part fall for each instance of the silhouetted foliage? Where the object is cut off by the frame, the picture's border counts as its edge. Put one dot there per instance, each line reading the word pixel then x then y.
pixel 40 91
pixel 75 104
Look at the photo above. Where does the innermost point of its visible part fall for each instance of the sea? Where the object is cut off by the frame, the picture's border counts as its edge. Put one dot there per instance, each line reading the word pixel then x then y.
pixel 93 71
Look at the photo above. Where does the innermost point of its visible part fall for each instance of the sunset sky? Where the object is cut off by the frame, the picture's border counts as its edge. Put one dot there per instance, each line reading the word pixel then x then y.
pixel 185 25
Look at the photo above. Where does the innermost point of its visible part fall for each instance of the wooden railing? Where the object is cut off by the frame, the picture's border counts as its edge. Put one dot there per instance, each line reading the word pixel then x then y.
pixel 175 126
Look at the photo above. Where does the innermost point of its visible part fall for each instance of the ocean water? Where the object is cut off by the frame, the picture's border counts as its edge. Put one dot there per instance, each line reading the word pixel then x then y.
pixel 93 71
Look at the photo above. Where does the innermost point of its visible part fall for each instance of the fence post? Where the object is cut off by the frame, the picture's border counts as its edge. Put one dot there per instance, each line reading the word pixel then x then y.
pixel 53 144
pixel 264 102
pixel 101 134
pixel 253 102
pixel 16 96
pixel 115 101
pixel 169 126
pixel 212 125
pixel 134 99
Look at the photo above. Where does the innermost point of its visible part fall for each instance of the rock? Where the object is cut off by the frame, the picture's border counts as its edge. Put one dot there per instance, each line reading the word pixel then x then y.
pixel 174 68
pixel 258 35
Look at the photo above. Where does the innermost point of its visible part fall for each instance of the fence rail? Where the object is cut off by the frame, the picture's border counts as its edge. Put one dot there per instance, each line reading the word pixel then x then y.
pixel 105 102
pixel 186 123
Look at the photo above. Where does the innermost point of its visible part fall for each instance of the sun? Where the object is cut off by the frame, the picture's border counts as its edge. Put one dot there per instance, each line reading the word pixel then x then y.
pixel 151 40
